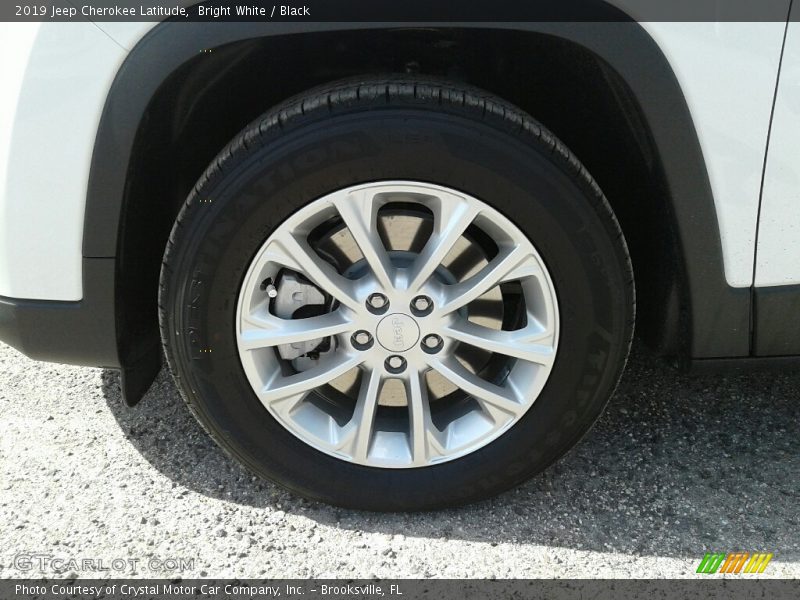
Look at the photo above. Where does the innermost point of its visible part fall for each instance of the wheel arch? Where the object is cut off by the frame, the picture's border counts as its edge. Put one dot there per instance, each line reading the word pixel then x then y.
pixel 145 159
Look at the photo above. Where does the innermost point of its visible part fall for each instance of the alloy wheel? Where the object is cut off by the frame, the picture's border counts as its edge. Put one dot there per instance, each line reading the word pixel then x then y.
pixel 397 324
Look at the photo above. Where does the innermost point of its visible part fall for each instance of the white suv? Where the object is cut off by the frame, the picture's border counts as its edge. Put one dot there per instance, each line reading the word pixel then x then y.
pixel 412 282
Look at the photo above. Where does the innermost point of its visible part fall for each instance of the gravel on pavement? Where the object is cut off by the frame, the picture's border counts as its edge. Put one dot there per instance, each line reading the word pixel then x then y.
pixel 678 465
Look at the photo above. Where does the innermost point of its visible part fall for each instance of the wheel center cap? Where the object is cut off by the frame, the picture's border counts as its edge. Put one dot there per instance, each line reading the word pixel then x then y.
pixel 397 332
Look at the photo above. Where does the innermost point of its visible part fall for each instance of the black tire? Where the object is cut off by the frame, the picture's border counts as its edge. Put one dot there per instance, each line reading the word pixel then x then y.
pixel 389 129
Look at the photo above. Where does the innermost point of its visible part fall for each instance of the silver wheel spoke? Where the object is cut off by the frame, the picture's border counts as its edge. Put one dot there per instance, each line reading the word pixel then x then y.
pixel 522 344
pixel 281 387
pixel 270 331
pixel 359 211
pixel 425 440
pixel 451 220
pixel 360 428
pixel 510 265
pixel 285 249
pixel 492 397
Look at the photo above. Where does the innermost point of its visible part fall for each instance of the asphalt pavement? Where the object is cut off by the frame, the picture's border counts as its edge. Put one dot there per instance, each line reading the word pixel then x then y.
pixel 678 465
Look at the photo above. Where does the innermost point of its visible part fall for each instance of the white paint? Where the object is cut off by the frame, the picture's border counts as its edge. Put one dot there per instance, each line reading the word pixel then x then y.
pixel 127 34
pixel 728 72
pixel 55 80
pixel 778 257
pixel 56 77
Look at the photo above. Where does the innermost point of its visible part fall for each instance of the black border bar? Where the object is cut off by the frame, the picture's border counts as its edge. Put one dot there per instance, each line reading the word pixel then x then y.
pixel 465 11
pixel 712 587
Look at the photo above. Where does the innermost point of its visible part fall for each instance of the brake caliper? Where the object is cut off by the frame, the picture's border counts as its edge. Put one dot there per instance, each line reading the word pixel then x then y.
pixel 296 298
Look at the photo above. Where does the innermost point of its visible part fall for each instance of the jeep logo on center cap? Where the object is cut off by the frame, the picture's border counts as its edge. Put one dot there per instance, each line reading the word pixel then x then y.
pixel 397 332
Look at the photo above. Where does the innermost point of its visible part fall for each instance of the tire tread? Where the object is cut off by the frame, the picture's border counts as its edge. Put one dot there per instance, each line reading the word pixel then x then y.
pixel 357 95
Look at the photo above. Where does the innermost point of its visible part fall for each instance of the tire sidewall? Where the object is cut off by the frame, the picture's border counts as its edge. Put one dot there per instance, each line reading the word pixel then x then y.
pixel 230 216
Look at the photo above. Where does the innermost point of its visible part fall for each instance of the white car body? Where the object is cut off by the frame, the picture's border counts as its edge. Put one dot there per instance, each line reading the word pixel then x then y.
pixel 728 73
pixel 741 87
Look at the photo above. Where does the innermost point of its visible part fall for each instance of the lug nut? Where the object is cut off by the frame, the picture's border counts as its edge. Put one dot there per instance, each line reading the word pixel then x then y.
pixel 361 340
pixel 432 340
pixel 432 343
pixel 421 305
pixel 377 302
pixel 362 337
pixel 395 364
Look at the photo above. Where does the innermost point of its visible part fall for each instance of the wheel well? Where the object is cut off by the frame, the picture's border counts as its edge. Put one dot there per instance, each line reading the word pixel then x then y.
pixel 210 98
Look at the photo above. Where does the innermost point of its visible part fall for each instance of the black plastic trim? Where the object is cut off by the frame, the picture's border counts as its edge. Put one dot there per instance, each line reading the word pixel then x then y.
pixel 82 333
pixel 748 364
pixel 777 320
pixel 79 333
pixel 716 316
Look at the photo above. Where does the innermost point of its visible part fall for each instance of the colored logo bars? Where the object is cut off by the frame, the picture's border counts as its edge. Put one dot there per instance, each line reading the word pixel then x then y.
pixel 735 562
